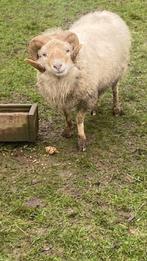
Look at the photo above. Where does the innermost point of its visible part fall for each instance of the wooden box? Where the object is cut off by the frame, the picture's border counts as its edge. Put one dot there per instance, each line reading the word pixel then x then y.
pixel 18 122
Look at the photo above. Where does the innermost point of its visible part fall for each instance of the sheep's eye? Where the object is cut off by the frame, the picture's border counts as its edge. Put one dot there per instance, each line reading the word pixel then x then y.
pixel 44 54
pixel 67 50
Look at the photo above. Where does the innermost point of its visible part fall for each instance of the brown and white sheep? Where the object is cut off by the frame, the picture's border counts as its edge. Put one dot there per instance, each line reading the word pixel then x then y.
pixel 76 66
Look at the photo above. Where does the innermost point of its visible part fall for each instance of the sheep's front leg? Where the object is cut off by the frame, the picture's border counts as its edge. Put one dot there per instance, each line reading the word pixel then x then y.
pixel 67 133
pixel 81 134
pixel 117 110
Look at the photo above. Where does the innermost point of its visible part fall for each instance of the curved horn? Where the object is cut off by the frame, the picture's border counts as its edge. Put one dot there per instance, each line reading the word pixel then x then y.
pixel 36 65
pixel 35 44
pixel 71 38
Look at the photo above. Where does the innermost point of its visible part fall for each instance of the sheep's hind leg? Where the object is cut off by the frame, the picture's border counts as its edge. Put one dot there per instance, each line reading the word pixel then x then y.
pixel 81 134
pixel 95 109
pixel 67 132
pixel 94 112
pixel 117 110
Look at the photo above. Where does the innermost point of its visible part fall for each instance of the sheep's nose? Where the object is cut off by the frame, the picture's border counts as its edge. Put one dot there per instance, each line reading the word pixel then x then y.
pixel 57 66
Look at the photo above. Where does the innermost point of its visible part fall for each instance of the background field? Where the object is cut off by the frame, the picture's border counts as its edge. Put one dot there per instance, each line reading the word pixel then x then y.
pixel 73 206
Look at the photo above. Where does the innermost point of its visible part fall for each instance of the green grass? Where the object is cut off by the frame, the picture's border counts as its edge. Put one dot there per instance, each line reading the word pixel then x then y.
pixel 73 206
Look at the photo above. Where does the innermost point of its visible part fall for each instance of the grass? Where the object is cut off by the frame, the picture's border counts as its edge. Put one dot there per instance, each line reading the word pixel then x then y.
pixel 73 206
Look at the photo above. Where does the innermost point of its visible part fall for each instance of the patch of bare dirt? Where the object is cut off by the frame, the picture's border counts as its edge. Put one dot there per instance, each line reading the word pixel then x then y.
pixel 34 203
pixel 48 132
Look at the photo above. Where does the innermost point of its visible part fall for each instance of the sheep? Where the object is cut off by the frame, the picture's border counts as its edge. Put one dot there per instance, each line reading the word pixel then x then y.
pixel 76 66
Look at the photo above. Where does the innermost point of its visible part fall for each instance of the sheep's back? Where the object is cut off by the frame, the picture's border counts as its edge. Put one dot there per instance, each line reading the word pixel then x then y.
pixel 101 26
pixel 105 52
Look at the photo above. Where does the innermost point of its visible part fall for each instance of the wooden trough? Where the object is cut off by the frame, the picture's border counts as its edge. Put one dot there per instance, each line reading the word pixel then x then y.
pixel 18 122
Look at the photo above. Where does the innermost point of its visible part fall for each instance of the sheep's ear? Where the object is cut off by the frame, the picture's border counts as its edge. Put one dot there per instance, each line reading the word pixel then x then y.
pixel 35 44
pixel 72 39
pixel 36 65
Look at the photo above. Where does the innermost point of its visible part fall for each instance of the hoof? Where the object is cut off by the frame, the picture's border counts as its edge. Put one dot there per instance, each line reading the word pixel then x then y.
pixel 67 133
pixel 93 113
pixel 117 111
pixel 82 144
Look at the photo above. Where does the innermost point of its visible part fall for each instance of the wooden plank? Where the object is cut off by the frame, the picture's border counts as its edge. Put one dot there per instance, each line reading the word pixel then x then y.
pixel 15 107
pixel 33 122
pixel 13 127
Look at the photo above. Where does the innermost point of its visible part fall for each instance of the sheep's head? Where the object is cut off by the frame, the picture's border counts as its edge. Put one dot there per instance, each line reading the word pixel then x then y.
pixel 55 53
